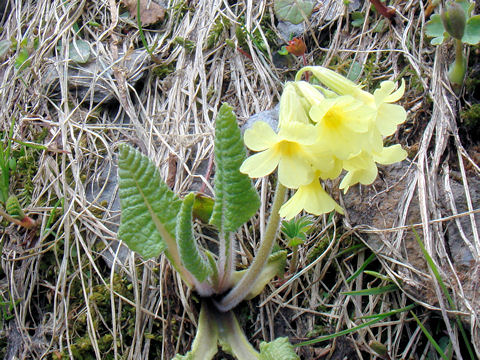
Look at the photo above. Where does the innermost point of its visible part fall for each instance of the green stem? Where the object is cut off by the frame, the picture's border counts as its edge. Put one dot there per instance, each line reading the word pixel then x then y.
pixel 457 70
pixel 240 291
pixel 294 261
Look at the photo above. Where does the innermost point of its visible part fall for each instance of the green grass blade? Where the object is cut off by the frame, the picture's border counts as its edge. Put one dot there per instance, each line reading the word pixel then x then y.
pixel 372 291
pixel 445 291
pixel 430 338
pixel 354 329
pixel 361 268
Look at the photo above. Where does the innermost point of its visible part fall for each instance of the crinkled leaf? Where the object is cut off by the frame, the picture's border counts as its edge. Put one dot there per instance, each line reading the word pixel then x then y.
pixel 294 11
pixel 189 252
pixel 79 51
pixel 149 207
pixel 278 349
pixel 434 28
pixel 236 200
pixel 274 267
pixel 204 346
pixel 472 31
pixel 202 208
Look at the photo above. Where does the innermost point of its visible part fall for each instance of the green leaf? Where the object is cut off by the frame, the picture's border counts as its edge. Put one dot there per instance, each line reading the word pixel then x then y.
pixel 189 252
pixel 358 18
pixel 204 346
pixel 236 200
pixel 294 11
pixel 472 31
pixel 434 29
pixel 79 51
pixel 278 349
pixel 202 208
pixel 274 267
pixel 22 61
pixel 149 207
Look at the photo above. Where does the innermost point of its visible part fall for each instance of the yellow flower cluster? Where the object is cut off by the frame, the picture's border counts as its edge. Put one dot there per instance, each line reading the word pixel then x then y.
pixel 322 132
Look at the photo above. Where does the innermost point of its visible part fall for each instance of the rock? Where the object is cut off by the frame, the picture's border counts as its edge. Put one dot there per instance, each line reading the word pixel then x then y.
pixel 268 116
pixel 93 80
pixel 288 30
pixel 104 189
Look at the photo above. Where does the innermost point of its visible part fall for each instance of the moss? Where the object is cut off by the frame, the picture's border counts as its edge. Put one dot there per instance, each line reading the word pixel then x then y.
pixel 471 117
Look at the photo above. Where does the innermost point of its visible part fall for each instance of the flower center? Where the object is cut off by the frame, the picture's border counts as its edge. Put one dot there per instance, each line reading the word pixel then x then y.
pixel 288 148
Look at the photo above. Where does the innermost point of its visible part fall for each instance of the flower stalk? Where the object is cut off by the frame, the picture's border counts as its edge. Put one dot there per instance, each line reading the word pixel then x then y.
pixel 241 290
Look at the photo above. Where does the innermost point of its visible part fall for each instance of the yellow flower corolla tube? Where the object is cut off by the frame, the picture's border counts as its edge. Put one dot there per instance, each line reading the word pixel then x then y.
pixel 293 107
pixel 289 150
pixel 343 125
pixel 311 198
pixel 363 169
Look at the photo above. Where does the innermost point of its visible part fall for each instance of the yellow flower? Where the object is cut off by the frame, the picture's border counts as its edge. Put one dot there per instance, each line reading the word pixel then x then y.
pixel 363 169
pixel 343 125
pixel 289 150
pixel 312 198
pixel 388 116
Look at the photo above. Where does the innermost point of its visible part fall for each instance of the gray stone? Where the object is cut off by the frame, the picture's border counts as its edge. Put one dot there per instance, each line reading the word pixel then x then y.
pixel 95 80
pixel 268 116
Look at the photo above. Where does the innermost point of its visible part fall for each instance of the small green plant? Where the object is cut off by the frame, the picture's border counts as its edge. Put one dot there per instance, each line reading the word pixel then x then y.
pixel 459 23
pixel 321 132
pixel 296 231
pixel 8 163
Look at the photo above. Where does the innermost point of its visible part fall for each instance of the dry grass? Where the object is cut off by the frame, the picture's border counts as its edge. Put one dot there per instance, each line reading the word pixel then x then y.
pixel 69 303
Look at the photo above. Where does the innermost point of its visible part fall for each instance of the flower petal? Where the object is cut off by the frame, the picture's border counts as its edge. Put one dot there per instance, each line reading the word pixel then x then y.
pixel 390 155
pixel 312 198
pixel 293 108
pixel 260 164
pixel 294 170
pixel 260 136
pixel 389 116
pixel 304 134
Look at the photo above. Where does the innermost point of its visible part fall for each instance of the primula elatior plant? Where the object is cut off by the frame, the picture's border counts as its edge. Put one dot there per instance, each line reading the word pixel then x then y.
pixel 322 131
pixel 456 21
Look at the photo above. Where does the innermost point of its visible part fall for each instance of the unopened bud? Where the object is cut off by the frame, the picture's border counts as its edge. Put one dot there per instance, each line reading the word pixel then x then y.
pixel 454 20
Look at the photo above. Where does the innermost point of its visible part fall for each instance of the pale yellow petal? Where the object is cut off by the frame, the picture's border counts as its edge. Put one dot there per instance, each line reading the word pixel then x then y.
pixel 389 116
pixel 292 108
pixel 304 134
pixel 260 136
pixel 309 92
pixel 260 164
pixel 311 198
pixel 380 94
pixel 294 170
pixel 395 96
pixel 390 155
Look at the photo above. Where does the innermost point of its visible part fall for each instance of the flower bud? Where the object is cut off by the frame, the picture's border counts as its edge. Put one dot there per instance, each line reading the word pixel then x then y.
pixel 454 20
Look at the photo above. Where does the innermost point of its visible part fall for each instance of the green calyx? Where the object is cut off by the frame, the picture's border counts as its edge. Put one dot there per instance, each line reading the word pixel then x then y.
pixel 454 20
